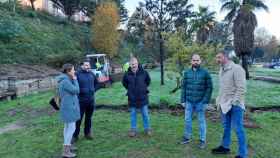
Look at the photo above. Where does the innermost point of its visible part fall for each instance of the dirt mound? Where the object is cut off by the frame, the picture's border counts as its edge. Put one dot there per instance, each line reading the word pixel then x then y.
pixel 24 72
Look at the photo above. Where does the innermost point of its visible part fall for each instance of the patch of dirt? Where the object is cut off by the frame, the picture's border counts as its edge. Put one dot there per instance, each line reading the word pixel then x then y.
pixel 264 109
pixel 24 72
pixel 178 110
pixel 28 114
pixel 268 79
pixel 11 127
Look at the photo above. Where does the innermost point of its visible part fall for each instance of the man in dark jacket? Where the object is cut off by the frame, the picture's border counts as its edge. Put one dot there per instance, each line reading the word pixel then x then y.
pixel 88 85
pixel 196 94
pixel 136 80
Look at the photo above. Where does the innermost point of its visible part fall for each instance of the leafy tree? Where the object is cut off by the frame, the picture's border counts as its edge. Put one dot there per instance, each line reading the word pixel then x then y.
pixel 105 34
pixel 202 23
pixel 122 10
pixel 272 49
pixel 167 15
pixel 220 34
pixel 244 24
pixel 181 54
pixel 88 7
pixel 141 30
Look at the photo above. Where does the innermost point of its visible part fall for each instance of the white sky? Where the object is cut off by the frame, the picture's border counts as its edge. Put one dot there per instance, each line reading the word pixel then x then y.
pixel 268 20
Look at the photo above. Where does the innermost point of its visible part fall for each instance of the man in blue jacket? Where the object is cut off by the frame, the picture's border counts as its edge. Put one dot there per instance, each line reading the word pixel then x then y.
pixel 136 80
pixel 88 85
pixel 196 93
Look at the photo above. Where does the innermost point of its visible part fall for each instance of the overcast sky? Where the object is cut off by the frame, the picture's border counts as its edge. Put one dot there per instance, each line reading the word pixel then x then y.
pixel 269 20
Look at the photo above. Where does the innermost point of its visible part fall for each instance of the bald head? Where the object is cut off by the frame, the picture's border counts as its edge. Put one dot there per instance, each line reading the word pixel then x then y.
pixel 133 63
pixel 196 61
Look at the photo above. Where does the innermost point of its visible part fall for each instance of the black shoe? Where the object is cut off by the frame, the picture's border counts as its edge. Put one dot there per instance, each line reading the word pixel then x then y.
pixel 88 137
pixel 238 156
pixel 185 141
pixel 220 150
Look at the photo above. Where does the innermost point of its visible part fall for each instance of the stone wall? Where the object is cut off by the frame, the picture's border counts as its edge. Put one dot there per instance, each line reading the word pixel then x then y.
pixel 26 87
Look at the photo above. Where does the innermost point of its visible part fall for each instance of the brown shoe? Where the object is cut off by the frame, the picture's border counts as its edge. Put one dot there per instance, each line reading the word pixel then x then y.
pixel 67 152
pixel 148 132
pixel 132 133
pixel 88 137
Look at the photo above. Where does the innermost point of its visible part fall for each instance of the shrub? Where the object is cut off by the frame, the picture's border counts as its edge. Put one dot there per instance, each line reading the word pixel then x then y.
pixel 10 29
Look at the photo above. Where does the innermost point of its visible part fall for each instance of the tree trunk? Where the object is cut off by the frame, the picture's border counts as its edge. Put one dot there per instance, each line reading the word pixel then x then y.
pixel 32 5
pixel 14 8
pixel 244 59
pixel 161 59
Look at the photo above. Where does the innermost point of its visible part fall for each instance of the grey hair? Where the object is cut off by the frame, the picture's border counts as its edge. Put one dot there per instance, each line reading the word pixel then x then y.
pixel 132 59
pixel 228 53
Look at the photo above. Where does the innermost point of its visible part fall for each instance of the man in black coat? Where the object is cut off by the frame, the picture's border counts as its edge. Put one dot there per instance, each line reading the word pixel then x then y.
pixel 88 84
pixel 136 80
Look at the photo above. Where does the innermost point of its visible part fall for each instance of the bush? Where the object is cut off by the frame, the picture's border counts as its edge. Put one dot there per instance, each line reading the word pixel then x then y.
pixel 180 54
pixel 10 29
pixel 57 61
pixel 36 37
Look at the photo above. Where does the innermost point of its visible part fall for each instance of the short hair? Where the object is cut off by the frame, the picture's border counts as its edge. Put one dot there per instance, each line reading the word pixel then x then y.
pixel 67 68
pixel 85 61
pixel 132 59
pixel 196 54
pixel 228 53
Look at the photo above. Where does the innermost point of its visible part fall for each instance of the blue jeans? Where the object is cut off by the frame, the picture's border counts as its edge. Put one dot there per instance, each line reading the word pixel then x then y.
pixel 68 131
pixel 234 118
pixel 145 117
pixel 201 120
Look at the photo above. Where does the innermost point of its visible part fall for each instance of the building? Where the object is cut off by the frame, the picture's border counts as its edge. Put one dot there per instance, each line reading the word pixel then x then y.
pixel 48 6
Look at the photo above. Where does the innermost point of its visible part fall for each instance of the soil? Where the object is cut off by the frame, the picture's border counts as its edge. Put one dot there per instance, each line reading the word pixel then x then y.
pixel 24 72
pixel 29 114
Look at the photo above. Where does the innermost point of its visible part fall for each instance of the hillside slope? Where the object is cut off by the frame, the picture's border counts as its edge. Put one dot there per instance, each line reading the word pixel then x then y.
pixel 36 37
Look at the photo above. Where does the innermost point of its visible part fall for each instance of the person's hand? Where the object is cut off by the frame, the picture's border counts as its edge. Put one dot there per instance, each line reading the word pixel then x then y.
pixel 74 77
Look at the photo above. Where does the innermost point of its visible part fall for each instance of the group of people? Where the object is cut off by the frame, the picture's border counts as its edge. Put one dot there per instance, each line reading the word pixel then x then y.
pixel 196 93
pixel 77 91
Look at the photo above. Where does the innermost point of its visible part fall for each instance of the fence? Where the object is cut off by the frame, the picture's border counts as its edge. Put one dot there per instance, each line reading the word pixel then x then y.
pixel 11 87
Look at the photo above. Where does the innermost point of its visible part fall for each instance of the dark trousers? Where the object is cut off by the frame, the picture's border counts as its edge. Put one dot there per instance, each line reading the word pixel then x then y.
pixel 86 108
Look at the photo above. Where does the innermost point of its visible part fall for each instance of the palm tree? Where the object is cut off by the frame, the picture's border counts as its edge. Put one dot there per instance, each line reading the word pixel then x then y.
pixel 203 21
pixel 32 4
pixel 244 24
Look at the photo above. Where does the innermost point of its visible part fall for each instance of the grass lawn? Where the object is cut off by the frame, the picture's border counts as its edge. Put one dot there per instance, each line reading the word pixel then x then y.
pixel 42 137
pixel 259 93
pixel 259 71
pixel 41 133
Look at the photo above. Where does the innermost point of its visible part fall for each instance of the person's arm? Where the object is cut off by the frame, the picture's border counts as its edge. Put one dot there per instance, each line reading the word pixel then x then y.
pixel 125 81
pixel 183 90
pixel 239 78
pixel 209 89
pixel 71 86
pixel 147 79
pixel 96 83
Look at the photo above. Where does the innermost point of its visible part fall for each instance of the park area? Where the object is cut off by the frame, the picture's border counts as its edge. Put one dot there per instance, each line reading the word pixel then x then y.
pixel 29 127
pixel 38 37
